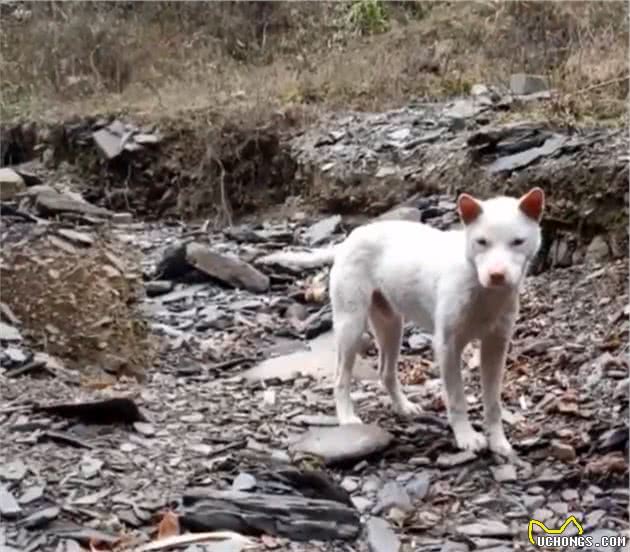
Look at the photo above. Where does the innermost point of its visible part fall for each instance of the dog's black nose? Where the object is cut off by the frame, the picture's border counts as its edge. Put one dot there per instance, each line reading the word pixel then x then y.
pixel 497 278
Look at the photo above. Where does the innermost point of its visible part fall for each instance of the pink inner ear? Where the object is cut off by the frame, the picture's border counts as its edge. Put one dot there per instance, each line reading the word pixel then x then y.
pixel 469 208
pixel 532 203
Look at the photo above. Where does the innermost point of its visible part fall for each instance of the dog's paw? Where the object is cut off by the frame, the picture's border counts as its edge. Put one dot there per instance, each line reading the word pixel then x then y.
pixel 471 440
pixel 499 444
pixel 404 407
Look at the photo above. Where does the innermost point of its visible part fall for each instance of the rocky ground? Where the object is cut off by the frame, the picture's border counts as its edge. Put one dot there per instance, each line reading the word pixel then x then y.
pixel 163 382
pixel 237 406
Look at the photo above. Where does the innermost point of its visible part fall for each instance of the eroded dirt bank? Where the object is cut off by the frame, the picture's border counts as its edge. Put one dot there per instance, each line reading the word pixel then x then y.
pixel 236 388
pixel 351 163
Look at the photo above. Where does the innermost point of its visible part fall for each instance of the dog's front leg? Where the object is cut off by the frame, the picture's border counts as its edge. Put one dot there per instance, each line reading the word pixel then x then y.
pixel 493 354
pixel 448 354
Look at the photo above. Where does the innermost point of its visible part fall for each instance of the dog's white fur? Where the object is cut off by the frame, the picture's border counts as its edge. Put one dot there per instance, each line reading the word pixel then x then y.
pixel 459 284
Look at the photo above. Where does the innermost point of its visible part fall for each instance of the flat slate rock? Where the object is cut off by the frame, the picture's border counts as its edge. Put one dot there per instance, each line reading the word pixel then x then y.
pixel 9 507
pixel 343 443
pixel 9 333
pixel 486 528
pixel 11 183
pixel 322 230
pixel 51 202
pixel 295 517
pixel 380 536
pixel 230 270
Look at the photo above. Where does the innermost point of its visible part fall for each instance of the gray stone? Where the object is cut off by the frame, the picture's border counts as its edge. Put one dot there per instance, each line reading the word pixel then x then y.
pixel 322 230
pixel 524 158
pixel 9 507
pixel 244 482
pixel 194 418
pixel 51 202
pixel 454 546
pixel 361 503
pixel 559 508
pixel 13 471
pixel 9 333
pixel 145 428
pixel 372 484
pixel 315 420
pixel 380 536
pixel 90 466
pixel 229 270
pixel 11 184
pixel 110 140
pixel 479 90
pixel 15 355
pixel 401 213
pixel 350 484
pixel 463 109
pixel 504 473
pixel 570 495
pixel 522 84
pixel 598 250
pixel 80 238
pixel 457 459
pixel 158 287
pixel 392 495
pixel 561 253
pixel 418 488
pixel 594 518
pixel 344 443
pixel 531 502
pixel 31 494
pixel 485 528
pixel 542 514
pixel 122 218
pixel 41 517
pixel 291 516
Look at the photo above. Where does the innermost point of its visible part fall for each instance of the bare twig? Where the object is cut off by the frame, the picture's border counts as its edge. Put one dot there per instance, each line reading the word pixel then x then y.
pixel 599 85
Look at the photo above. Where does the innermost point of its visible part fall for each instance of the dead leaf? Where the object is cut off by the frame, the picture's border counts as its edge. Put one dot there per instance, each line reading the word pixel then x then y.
pixel 169 526
pixel 613 462
pixel 94 543
pixel 316 293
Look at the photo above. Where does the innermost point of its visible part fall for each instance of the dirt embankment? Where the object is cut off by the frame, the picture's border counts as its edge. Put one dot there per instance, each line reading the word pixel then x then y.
pixel 349 163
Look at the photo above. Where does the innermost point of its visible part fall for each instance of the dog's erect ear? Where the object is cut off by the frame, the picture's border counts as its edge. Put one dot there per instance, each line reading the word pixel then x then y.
pixel 468 208
pixel 533 203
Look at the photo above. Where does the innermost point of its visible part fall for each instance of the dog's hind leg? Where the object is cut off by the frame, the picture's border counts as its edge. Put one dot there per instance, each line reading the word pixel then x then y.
pixel 349 309
pixel 348 332
pixel 387 326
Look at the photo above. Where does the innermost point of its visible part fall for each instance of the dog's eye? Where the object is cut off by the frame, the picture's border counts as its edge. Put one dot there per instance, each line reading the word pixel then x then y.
pixel 517 241
pixel 483 242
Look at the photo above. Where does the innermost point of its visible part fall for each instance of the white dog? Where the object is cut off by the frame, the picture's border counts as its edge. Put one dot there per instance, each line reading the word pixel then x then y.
pixel 459 284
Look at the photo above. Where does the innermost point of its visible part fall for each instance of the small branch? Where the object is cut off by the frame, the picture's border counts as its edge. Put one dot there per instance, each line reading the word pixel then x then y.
pixel 599 85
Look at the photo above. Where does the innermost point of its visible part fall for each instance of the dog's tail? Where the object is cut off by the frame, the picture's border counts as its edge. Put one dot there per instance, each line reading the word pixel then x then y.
pixel 301 259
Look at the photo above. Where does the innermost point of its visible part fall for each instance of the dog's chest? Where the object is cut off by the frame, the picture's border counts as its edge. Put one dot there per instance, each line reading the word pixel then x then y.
pixel 484 313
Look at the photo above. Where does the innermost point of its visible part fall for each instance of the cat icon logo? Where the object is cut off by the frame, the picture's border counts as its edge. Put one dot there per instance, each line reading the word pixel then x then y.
pixel 546 531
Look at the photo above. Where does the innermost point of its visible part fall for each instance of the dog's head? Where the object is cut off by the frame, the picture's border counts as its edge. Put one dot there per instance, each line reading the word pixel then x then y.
pixel 502 235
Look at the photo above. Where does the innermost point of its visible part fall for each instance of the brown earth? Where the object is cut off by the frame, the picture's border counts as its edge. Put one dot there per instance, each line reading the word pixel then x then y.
pixel 75 303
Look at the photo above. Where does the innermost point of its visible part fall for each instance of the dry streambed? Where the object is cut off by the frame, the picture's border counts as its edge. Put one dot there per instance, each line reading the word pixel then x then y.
pixel 160 379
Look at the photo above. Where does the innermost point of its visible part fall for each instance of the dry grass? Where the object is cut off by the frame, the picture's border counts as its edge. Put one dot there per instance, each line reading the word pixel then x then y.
pixel 160 58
